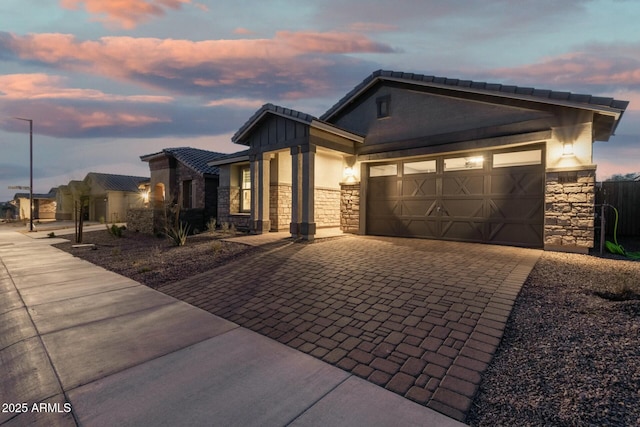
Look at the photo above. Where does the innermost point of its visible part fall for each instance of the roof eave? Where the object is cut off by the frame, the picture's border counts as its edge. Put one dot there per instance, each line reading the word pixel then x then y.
pixel 327 127
pixel 229 161
pixel 616 112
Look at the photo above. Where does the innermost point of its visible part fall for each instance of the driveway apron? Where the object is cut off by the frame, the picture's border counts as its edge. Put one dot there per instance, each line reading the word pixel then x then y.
pixel 421 318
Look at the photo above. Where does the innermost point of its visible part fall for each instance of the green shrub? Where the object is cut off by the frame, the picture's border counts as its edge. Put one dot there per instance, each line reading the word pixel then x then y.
pixel 115 230
pixel 178 234
pixel 51 235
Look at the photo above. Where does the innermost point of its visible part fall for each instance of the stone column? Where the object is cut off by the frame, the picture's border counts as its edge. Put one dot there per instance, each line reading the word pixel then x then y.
pixel 569 210
pixel 296 192
pixel 307 224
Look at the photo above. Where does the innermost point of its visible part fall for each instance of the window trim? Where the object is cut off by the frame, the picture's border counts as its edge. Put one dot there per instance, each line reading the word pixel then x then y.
pixel 245 188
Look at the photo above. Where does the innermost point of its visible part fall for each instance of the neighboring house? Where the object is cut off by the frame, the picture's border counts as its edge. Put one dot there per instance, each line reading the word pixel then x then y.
pixel 183 176
pixel 422 156
pixel 106 196
pixel 44 205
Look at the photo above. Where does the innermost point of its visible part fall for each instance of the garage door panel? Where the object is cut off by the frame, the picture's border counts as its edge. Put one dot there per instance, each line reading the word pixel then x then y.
pixel 516 184
pixel 502 205
pixel 422 228
pixel 462 183
pixel 515 210
pixel 515 234
pixel 384 186
pixel 420 207
pixel 465 208
pixel 419 186
pixel 467 231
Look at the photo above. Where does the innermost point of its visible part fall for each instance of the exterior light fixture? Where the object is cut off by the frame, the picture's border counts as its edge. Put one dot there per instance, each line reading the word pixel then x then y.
pixel 474 162
pixel 567 149
pixel 349 174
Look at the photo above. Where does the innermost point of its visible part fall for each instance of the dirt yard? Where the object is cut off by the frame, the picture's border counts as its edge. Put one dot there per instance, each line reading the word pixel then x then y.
pixel 152 260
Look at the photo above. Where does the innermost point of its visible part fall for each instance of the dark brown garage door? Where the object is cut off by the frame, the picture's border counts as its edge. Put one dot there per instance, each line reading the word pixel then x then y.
pixel 492 197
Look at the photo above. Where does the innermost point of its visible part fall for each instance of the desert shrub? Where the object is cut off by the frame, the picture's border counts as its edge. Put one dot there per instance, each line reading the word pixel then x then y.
pixel 224 227
pixel 211 225
pixel 178 233
pixel 116 230
pixel 176 230
pixel 216 247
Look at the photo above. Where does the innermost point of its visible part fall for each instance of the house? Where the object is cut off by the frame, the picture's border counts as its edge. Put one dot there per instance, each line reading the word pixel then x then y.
pixel 44 205
pixel 183 176
pixel 422 156
pixel 107 197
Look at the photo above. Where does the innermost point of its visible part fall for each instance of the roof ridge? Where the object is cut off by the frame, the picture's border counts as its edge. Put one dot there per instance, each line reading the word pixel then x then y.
pixel 283 111
pixel 471 84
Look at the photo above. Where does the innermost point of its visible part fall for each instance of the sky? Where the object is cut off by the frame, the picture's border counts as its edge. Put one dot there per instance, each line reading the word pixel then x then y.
pixel 106 81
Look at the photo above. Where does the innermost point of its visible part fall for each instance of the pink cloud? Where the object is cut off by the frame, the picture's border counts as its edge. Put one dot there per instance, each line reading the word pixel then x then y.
pixel 125 13
pixel 258 65
pixel 41 86
pixel 242 31
pixel 598 65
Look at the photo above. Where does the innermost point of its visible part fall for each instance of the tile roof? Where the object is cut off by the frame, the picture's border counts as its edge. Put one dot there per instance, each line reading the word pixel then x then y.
pixel 116 182
pixel 50 195
pixel 195 158
pixel 281 111
pixel 507 90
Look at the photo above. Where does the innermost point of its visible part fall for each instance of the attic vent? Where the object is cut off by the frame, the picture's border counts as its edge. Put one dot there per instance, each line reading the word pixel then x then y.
pixel 382 104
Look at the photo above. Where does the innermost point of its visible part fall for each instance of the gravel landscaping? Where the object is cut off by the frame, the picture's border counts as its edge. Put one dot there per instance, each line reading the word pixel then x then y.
pixel 152 260
pixel 570 354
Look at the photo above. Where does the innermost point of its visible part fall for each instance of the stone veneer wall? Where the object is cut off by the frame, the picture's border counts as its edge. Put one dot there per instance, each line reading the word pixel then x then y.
pixel 569 210
pixel 327 207
pixel 350 208
pixel 229 208
pixel 280 206
pixel 140 220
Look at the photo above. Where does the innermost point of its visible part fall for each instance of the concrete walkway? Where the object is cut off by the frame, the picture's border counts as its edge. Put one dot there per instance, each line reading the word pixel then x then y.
pixel 80 345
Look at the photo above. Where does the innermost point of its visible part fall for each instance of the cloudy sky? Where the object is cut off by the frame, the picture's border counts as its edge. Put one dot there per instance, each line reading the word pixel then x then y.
pixel 106 81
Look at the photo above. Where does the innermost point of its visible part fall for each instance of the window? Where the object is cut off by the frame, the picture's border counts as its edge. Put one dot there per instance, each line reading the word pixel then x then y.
pixel 463 163
pixel 517 158
pixel 383 170
pixel 245 189
pixel 382 104
pixel 187 194
pixel 426 166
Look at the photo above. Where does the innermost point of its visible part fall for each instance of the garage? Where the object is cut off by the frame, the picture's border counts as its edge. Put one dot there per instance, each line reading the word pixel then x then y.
pixel 487 197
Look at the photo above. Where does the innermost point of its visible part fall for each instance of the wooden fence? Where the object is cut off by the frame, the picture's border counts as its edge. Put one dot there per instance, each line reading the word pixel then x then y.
pixel 624 196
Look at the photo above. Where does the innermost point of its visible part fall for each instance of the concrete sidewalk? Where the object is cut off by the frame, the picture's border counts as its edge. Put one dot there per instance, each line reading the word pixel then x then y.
pixel 100 349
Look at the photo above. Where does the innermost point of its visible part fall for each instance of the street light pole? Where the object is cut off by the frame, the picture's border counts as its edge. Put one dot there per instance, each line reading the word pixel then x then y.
pixel 30 170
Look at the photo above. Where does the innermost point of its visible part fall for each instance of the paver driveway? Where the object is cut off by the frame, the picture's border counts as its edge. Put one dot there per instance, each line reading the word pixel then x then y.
pixel 419 317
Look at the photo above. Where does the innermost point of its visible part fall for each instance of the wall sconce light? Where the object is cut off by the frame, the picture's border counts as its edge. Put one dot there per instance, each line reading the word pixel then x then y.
pixel 145 196
pixel 567 149
pixel 349 174
pixel 474 162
